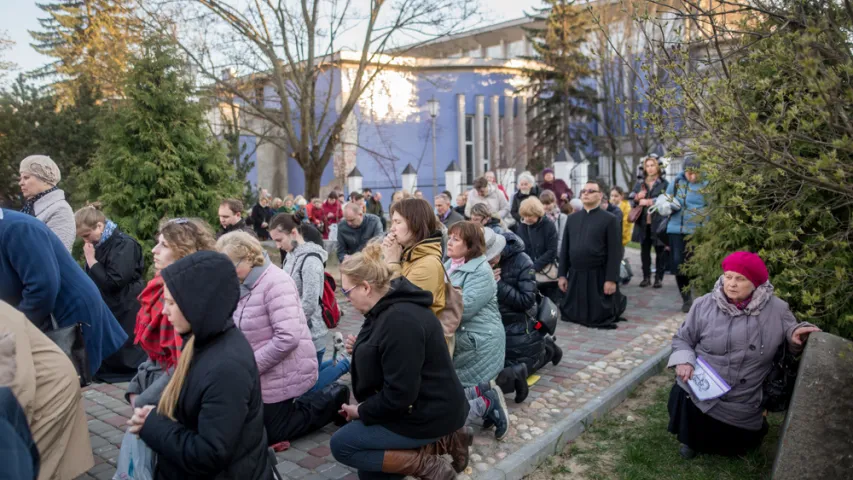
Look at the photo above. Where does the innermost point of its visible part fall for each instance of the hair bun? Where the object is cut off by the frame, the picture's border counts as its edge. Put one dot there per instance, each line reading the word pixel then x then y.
pixel 372 252
pixel 96 205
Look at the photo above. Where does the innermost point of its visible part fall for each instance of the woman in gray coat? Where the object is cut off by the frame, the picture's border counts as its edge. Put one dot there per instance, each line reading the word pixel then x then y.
pixel 736 330
pixel 44 200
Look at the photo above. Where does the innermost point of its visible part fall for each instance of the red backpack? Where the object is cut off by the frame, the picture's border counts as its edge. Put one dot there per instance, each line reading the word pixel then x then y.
pixel 328 302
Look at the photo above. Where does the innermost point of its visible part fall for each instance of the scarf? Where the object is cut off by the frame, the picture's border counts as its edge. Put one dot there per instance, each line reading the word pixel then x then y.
pixel 154 333
pixel 752 306
pixel 30 205
pixel 454 264
pixel 248 284
pixel 554 215
pixel 109 228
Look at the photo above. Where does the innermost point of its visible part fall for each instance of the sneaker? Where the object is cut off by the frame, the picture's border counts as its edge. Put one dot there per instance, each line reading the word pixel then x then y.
pixel 497 413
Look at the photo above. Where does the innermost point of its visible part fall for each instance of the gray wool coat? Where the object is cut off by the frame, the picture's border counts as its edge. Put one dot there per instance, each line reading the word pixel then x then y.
pixel 56 213
pixel 739 345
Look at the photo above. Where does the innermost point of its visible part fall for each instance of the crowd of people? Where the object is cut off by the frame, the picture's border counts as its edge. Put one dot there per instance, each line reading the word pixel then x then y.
pixel 226 353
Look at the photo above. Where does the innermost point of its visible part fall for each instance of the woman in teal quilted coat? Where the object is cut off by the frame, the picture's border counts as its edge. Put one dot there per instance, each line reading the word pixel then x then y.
pixel 480 339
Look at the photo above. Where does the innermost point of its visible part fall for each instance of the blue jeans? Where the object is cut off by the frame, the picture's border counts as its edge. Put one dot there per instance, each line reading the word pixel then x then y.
pixel 328 373
pixel 363 448
pixel 20 454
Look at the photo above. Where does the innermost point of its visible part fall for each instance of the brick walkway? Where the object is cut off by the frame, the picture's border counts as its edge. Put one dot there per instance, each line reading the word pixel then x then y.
pixel 592 360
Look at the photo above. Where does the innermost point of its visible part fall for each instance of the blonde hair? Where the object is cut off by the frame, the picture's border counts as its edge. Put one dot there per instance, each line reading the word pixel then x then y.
pixel 187 236
pixel 169 399
pixel 89 216
pixel 531 207
pixel 369 266
pixel 241 246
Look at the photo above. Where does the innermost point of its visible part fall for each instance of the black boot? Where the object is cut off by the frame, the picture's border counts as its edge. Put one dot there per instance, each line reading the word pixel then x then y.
pixel 658 282
pixel 555 353
pixel 646 282
pixel 688 302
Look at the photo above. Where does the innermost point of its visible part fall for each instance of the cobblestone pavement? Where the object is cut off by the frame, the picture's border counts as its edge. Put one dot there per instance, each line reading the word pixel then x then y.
pixel 592 360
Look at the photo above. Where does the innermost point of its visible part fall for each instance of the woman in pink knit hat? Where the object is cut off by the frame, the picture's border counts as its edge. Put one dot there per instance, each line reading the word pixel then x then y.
pixel 735 331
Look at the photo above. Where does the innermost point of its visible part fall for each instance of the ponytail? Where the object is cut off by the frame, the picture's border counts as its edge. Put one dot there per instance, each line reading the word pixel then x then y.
pixel 169 399
pixel 89 216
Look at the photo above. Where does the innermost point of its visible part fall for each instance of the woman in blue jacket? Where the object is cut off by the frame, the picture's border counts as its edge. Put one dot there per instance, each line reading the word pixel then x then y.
pixel 40 278
pixel 688 212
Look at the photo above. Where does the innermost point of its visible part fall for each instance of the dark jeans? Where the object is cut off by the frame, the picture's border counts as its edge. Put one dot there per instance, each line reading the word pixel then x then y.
pixel 678 248
pixel 21 457
pixel 363 448
pixel 646 256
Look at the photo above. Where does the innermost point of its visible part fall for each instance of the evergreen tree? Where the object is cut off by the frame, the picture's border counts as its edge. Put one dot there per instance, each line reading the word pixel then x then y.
pixel 562 98
pixel 91 40
pixel 156 158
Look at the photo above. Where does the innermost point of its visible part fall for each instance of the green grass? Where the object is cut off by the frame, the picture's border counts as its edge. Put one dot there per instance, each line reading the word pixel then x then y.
pixel 644 450
pixel 633 245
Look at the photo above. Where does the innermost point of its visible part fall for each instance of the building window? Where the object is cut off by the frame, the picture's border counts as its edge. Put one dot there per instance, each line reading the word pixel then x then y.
pixel 468 167
pixel 486 142
pixel 259 96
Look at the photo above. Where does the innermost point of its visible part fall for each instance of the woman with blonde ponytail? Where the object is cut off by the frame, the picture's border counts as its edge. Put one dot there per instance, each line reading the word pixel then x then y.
pixel 209 421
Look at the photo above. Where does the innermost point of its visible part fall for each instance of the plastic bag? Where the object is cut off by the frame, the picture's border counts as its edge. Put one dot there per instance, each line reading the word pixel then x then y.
pixel 135 460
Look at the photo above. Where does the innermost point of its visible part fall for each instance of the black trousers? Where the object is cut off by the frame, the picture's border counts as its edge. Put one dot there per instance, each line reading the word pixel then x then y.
pixel 297 417
pixel 680 254
pixel 646 255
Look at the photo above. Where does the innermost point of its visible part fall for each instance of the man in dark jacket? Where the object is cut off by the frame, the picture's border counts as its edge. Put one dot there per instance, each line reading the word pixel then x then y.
pixel 447 215
pixel 374 205
pixel 356 231
pixel 231 218
pixel 216 429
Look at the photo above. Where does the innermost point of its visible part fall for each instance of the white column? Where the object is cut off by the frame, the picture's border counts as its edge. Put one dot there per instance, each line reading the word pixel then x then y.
pixel 479 136
pixel 582 174
pixel 521 123
pixel 354 181
pixel 453 180
pixel 509 143
pixel 506 177
pixel 410 179
pixel 495 126
pixel 460 131
pixel 562 170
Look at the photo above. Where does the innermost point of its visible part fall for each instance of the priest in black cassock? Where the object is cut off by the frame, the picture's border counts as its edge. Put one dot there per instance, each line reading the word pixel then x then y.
pixel 589 263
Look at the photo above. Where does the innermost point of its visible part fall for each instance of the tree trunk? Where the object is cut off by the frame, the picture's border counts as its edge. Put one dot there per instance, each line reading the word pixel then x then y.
pixel 313 173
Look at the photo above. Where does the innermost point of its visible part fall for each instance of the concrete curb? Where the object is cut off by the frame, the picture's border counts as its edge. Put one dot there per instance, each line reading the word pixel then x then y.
pixel 528 457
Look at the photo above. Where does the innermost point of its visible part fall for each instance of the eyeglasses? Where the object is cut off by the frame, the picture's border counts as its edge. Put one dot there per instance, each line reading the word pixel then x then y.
pixel 347 292
pixel 590 191
pixel 179 221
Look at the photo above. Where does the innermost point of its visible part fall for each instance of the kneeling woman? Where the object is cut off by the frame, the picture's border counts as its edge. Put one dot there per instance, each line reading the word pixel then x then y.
pixel 209 422
pixel 736 329
pixel 410 402
pixel 270 315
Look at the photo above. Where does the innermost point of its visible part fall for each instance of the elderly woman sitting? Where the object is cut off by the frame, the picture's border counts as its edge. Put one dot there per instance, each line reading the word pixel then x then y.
pixel 736 330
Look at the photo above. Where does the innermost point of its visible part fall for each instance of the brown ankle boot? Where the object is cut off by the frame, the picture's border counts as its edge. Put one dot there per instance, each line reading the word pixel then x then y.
pixel 417 463
pixel 456 445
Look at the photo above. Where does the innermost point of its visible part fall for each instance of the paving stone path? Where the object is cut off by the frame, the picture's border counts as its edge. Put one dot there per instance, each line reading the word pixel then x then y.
pixel 592 361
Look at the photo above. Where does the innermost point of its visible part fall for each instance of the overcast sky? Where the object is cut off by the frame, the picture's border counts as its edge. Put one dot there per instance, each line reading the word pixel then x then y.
pixel 19 16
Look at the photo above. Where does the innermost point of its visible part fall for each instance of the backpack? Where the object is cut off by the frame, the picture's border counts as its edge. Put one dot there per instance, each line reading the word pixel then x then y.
pixel 328 303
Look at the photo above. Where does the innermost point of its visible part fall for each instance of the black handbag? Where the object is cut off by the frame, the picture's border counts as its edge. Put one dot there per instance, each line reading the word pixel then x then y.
pixel 547 314
pixel 778 386
pixel 70 341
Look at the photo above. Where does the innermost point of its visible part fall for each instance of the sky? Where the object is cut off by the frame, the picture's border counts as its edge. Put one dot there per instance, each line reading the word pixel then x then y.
pixel 19 16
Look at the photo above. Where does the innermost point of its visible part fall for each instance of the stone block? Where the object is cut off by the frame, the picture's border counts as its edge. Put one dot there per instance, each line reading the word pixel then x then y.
pixel 815 440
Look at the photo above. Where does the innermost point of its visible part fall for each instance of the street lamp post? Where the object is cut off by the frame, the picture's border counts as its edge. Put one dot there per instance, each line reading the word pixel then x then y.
pixel 433 112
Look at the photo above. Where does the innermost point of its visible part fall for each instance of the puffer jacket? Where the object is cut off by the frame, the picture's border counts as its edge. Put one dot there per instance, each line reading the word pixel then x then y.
pixel 421 265
pixel 540 242
pixel 689 209
pixel 308 272
pixel 270 315
pixel 480 339
pixel 517 287
pixel 56 213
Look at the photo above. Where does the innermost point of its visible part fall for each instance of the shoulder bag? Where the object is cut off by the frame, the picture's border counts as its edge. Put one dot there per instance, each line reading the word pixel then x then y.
pixel 637 211
pixel 546 314
pixel 778 385
pixel 70 341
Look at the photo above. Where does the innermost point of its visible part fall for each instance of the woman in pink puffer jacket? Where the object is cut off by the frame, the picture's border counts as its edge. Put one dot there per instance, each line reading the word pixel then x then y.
pixel 270 315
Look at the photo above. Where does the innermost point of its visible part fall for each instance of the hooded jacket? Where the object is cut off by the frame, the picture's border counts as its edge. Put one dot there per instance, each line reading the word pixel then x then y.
pixel 402 375
pixel 480 339
pixel 40 278
pixel 270 315
pixel 219 427
pixel 688 205
pixel 421 265
pixel 308 273
pixel 517 287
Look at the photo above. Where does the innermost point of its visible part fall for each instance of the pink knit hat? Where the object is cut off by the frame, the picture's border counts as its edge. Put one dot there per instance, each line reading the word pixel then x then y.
pixel 747 264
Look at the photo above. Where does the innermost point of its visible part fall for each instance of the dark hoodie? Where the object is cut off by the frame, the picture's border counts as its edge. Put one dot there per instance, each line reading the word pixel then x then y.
pixel 402 374
pixel 219 428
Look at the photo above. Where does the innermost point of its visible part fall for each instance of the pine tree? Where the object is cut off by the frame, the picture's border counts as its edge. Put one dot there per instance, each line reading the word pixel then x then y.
pixel 91 40
pixel 561 102
pixel 156 158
